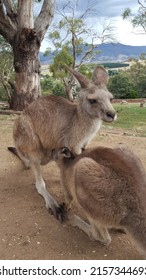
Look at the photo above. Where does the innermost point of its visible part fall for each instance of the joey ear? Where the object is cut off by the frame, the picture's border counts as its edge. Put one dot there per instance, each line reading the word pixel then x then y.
pixel 60 153
pixel 100 76
pixel 65 152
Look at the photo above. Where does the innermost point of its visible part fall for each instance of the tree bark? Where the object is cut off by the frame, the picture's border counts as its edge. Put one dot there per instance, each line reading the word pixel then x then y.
pixel 68 89
pixel 27 69
pixel 25 36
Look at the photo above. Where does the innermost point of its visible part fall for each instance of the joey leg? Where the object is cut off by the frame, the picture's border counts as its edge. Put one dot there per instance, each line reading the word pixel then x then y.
pixel 96 234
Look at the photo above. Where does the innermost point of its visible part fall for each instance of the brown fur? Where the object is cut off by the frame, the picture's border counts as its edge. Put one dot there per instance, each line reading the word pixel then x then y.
pixel 110 186
pixel 53 122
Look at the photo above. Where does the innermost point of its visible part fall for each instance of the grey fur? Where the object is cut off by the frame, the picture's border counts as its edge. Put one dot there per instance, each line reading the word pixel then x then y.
pixel 53 122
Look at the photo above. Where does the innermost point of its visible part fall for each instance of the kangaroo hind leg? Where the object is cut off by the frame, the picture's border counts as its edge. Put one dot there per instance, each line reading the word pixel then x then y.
pixel 51 204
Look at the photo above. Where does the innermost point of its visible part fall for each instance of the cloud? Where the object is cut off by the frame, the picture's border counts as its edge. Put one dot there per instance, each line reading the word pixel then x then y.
pixel 107 9
pixel 104 8
pixel 114 8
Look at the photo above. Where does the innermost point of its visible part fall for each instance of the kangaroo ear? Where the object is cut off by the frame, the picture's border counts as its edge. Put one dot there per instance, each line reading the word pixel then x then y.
pixel 61 153
pixel 100 76
pixel 83 80
pixel 65 152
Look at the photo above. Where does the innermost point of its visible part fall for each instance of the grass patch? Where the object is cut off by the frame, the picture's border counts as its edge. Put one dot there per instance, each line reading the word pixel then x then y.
pixel 130 117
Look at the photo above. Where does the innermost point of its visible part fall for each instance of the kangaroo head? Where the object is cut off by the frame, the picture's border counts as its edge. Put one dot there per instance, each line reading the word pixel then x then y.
pixel 64 152
pixel 94 95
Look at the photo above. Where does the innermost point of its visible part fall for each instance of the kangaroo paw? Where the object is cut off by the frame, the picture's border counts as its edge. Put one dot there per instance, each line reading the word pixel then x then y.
pixel 59 212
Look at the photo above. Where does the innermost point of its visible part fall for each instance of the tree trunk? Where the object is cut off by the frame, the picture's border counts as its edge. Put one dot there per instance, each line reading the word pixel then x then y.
pixel 27 68
pixel 68 89
pixel 25 34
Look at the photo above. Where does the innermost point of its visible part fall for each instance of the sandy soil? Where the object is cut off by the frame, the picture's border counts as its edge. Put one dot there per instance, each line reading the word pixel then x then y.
pixel 28 231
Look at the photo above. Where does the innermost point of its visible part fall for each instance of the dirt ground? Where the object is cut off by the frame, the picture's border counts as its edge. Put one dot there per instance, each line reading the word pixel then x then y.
pixel 28 231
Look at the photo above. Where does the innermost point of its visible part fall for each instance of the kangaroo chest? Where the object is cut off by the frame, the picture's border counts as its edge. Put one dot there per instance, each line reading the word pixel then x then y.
pixel 87 134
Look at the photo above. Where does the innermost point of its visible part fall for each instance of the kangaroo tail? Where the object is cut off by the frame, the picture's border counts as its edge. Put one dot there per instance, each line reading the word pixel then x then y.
pixel 13 151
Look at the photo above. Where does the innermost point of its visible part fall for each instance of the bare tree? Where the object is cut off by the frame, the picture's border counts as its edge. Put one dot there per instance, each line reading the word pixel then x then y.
pixel 25 34
pixel 73 31
pixel 77 31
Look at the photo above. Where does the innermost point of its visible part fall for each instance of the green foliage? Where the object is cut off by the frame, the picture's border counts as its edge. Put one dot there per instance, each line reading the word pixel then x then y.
pixel 4 46
pixel 50 85
pixel 141 85
pixel 125 84
pixel 138 20
pixel 112 72
pixel 126 14
pixel 86 70
pixel 143 56
pixel 71 28
pixel 47 83
pixel 115 65
pixel 130 83
pixel 6 70
pixel 58 70
pixel 3 96
pixel 121 86
pixel 59 89
pixel 137 73
pixel 71 33
pixel 47 51
pixel 63 57
pixel 69 37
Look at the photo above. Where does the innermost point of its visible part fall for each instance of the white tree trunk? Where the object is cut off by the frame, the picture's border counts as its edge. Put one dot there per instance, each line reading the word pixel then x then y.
pixel 25 14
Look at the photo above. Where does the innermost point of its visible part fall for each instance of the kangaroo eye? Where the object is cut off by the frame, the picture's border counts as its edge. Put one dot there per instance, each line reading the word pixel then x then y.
pixel 92 101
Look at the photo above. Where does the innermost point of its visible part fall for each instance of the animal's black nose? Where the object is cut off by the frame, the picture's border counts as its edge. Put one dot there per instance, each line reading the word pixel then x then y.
pixel 110 114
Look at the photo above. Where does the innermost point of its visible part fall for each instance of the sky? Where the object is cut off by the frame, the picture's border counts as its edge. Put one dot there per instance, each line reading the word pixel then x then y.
pixel 108 11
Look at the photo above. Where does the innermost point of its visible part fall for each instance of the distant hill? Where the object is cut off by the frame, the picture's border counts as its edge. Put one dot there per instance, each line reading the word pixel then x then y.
pixel 109 53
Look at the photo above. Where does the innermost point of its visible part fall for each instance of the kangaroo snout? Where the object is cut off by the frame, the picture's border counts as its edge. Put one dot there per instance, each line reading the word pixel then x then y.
pixel 111 115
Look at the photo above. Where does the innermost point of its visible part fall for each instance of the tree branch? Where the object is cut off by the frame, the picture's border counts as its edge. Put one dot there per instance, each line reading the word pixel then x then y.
pixel 7 25
pixel 25 14
pixel 9 8
pixel 90 10
pixel 7 32
pixel 7 12
pixel 87 53
pixel 141 4
pixel 68 89
pixel 44 19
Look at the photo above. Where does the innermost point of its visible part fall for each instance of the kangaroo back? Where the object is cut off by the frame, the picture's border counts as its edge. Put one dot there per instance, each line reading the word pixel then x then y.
pixel 110 187
pixel 121 160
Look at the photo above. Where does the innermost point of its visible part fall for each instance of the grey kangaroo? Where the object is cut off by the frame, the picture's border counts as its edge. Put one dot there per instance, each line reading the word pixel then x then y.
pixel 52 122
pixel 110 187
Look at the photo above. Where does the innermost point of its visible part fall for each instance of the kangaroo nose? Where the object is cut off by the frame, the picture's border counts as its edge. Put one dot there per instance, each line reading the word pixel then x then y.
pixel 111 114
